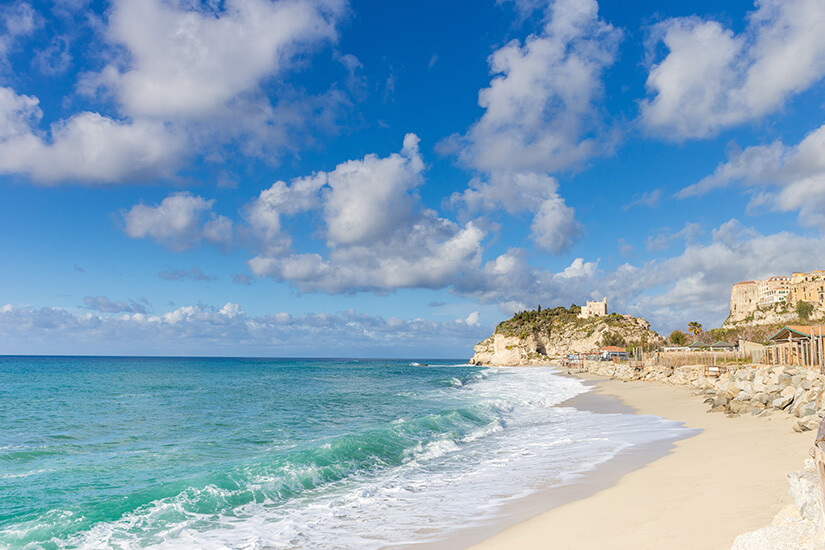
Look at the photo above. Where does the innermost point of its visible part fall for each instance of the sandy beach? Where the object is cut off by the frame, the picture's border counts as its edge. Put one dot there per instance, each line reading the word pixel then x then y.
pixel 726 480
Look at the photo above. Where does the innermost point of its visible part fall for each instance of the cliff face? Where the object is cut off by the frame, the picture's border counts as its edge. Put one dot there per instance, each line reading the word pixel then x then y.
pixel 780 314
pixel 542 340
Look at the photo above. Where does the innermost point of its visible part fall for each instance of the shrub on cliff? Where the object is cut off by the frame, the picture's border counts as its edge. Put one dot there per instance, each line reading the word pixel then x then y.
pixel 804 310
pixel 612 339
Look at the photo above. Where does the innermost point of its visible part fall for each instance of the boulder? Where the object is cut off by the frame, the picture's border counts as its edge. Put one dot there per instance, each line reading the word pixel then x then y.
pixel 794 536
pixel 782 402
pixel 803 488
pixel 761 397
pixel 806 409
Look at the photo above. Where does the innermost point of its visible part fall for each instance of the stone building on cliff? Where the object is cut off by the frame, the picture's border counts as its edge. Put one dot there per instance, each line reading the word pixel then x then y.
pixel 594 309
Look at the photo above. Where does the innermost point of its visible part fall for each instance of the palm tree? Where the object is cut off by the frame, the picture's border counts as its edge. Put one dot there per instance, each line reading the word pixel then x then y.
pixel 695 328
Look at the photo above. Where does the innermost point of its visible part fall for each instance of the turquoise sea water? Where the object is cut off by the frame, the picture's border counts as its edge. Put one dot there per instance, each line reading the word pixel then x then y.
pixel 282 453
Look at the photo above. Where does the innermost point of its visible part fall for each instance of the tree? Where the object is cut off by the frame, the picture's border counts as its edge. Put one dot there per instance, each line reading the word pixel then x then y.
pixel 612 339
pixel 539 309
pixel 678 338
pixel 695 328
pixel 804 309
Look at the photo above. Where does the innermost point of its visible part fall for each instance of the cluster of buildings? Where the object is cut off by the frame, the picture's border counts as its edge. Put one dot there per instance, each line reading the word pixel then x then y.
pixel 748 296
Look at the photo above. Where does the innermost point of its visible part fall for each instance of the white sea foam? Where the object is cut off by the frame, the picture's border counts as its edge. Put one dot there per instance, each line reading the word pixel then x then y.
pixel 440 486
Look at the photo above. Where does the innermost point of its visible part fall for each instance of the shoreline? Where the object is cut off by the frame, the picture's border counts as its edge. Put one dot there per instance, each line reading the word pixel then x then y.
pixel 587 484
pixel 702 492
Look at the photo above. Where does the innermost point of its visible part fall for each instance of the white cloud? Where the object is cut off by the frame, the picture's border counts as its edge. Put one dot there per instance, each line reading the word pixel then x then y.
pixel 178 222
pixel 369 198
pixel 785 178
pixel 198 330
pixel 55 58
pixel 541 108
pixel 87 147
pixel 541 115
pixel 187 62
pixel 186 79
pixel 264 213
pixel 379 236
pixel 432 253
pixel 651 199
pixel 17 19
pixel 692 285
pixel 554 228
pixel 472 319
pixel 105 305
pixel 195 274
pixel 712 79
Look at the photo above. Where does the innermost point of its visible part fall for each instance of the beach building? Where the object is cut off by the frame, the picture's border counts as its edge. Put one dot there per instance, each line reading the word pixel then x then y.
pixel 613 353
pixel 722 346
pixel 594 309
pixel 798 345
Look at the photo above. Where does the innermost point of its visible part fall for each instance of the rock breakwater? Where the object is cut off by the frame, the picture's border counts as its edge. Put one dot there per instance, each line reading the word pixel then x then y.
pixel 746 389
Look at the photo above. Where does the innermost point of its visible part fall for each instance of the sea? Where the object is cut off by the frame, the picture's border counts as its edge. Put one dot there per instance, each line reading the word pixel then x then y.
pixel 104 452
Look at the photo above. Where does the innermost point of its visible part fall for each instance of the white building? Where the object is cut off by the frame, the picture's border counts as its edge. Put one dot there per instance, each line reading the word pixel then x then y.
pixel 774 290
pixel 594 309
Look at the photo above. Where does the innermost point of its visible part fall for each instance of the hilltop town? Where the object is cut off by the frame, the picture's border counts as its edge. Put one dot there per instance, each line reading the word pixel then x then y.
pixel 777 300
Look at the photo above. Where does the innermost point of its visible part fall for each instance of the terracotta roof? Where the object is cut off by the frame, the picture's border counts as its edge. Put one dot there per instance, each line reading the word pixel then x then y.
pixel 745 283
pixel 613 348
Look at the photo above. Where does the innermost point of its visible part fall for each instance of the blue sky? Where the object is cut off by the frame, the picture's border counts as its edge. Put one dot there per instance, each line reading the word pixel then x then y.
pixel 364 178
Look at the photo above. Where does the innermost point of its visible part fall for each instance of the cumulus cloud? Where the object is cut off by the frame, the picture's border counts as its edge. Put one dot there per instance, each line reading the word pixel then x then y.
pixel 264 214
pixel 87 147
pixel 378 235
pixel 226 329
pixel 188 62
pixel 541 115
pixel 670 291
pixel 784 178
pixel 554 228
pixel 712 78
pixel 17 19
pixel 369 198
pixel 541 108
pixel 186 79
pixel 179 222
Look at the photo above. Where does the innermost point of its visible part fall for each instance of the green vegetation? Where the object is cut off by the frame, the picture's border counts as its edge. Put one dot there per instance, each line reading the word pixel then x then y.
pixel 524 323
pixel 612 339
pixel 678 338
pixel 804 310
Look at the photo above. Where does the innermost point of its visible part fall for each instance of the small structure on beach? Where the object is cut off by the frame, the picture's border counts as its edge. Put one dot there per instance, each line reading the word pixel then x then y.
pixel 722 346
pixel 613 353
pixel 798 345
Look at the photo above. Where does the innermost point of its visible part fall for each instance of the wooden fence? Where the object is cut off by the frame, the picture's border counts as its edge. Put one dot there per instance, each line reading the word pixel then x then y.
pixel 680 358
pixel 803 353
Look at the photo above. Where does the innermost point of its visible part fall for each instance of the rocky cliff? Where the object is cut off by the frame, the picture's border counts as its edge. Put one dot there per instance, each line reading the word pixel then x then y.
pixel 538 337
pixel 778 315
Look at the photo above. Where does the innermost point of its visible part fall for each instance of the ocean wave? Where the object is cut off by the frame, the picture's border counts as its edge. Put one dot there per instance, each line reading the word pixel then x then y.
pixel 485 436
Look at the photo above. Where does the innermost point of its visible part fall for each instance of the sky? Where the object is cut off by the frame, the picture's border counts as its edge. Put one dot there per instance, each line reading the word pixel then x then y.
pixel 392 179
